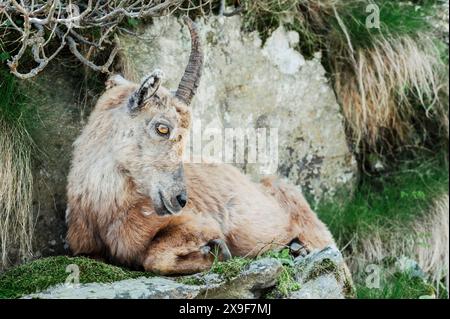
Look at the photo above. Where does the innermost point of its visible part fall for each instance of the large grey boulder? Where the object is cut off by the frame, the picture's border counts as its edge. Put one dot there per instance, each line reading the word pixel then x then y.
pixel 250 85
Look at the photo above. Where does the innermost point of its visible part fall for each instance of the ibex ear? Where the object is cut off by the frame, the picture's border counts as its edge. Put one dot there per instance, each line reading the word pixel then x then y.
pixel 148 88
pixel 116 80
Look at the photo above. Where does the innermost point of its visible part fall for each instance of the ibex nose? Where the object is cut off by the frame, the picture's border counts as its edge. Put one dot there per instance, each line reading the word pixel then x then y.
pixel 182 199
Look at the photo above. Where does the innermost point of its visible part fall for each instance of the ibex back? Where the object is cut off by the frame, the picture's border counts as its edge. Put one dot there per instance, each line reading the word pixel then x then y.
pixel 133 200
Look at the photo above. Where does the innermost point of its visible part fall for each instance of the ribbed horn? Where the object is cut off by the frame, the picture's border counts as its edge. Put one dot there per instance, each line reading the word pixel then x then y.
pixel 191 78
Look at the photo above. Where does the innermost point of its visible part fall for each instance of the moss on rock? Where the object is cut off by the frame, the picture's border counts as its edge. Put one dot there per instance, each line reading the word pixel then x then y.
pixel 43 273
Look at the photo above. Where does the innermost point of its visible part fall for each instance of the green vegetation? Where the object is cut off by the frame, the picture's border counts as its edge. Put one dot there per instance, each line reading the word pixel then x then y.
pixel 14 107
pixel 230 268
pixel 397 18
pixel 286 282
pixel 392 215
pixel 190 280
pixel 386 201
pixel 380 201
pixel 398 286
pixel 318 24
pixel 44 273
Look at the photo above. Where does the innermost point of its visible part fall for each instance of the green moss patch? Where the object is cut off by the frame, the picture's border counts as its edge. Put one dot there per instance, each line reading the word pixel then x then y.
pixel 231 268
pixel 44 273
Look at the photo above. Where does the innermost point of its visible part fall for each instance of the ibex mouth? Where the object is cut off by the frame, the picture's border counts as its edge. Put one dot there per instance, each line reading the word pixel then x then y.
pixel 168 208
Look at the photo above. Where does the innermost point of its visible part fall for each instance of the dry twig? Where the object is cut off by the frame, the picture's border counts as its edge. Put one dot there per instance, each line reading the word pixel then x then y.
pixel 37 25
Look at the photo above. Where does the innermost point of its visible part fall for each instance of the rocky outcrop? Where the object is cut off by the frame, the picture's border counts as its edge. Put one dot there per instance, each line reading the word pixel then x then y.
pixel 59 119
pixel 320 275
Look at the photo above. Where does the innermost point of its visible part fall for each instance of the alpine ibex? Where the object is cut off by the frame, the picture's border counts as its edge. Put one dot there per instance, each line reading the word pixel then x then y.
pixel 132 199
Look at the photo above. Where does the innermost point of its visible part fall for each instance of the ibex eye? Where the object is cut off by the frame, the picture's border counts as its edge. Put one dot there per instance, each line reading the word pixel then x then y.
pixel 162 129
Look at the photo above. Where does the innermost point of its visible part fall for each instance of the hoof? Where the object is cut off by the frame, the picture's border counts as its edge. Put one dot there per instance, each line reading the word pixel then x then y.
pixel 217 246
pixel 205 250
pixel 298 249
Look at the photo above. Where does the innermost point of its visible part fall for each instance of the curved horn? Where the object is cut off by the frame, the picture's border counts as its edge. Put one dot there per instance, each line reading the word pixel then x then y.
pixel 191 78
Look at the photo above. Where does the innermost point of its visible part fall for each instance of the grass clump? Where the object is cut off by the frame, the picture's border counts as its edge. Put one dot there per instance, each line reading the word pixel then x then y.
pixel 44 273
pixel 16 187
pixel 190 280
pixel 398 286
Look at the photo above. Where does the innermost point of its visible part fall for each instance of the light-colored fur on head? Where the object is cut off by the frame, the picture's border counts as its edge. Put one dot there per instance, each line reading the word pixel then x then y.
pixel 130 157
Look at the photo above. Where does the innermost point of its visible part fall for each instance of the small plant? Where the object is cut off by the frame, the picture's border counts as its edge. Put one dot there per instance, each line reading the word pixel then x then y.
pixel 286 282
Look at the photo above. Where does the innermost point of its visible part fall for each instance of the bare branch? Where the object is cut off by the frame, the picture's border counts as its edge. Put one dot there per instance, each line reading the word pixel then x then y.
pixel 104 68
pixel 37 24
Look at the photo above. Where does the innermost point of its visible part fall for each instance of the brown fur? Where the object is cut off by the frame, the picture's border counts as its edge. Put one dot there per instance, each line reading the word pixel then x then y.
pixel 111 209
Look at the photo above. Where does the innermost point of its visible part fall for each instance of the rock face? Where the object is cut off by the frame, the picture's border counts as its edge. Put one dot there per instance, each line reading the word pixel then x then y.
pixel 60 119
pixel 253 281
pixel 246 86
pixel 141 288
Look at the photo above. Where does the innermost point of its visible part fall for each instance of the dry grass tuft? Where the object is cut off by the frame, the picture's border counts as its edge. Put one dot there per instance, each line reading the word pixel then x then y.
pixel 16 189
pixel 382 87
pixel 16 180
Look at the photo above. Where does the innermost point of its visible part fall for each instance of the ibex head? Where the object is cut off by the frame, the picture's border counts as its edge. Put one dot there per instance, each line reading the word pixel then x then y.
pixel 155 128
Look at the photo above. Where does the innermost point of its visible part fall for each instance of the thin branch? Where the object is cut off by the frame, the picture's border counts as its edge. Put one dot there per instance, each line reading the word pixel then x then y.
pixel 37 24
pixel 104 68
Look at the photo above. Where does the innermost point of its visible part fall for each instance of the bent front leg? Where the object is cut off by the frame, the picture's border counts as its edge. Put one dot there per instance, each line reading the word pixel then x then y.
pixel 182 251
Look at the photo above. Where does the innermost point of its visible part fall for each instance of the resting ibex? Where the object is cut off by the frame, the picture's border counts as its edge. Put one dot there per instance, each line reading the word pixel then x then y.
pixel 131 198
